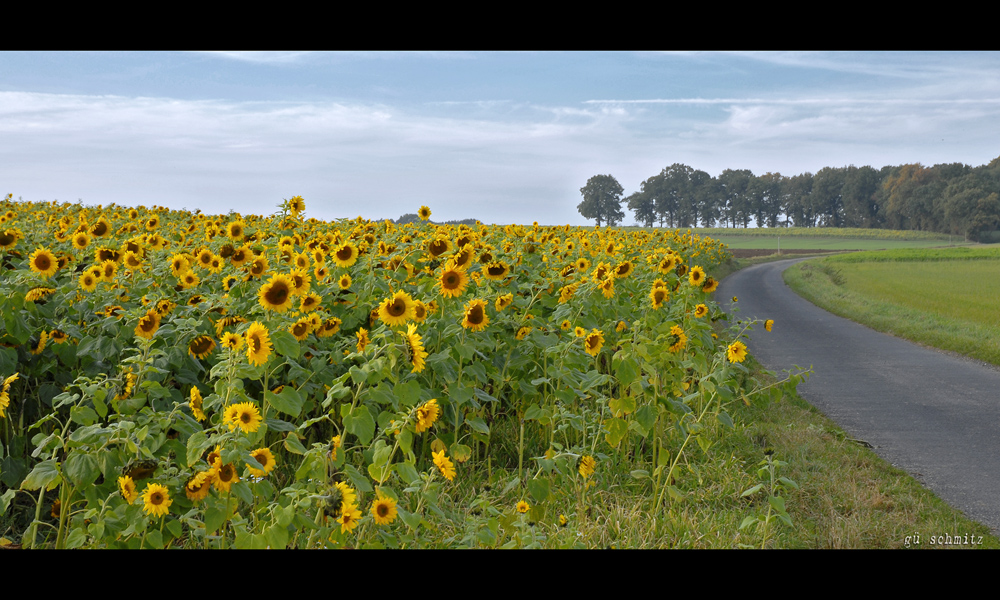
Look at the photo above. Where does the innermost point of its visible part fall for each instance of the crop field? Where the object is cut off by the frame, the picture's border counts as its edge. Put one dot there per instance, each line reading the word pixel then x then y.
pixel 176 379
pixel 946 298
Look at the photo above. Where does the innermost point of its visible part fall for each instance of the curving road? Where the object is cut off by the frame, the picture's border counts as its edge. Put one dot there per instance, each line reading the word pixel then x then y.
pixel 935 415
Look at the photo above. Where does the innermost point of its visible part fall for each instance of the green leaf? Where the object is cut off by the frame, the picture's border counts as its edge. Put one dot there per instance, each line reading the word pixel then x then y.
pixel 289 401
pixel 778 503
pixel 76 538
pixel 45 473
pixel 407 393
pixel 412 520
pixel 788 483
pixel 84 415
pixel 5 500
pixel 359 422
pixel 358 480
pixel 617 429
pixel 640 474
pixel 81 468
pixel 285 343
pixel 478 425
pixel 214 519
pixel 726 420
pixel 622 406
pixel 197 443
pixel 747 522
pixel 293 444
pixel 752 490
pixel 408 473
pixel 539 489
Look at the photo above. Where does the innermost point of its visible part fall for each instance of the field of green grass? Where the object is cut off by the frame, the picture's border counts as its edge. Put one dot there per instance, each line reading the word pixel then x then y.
pixel 948 299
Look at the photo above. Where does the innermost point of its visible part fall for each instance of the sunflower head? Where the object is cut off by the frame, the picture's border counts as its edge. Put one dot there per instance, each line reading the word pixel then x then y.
pixel 44 263
pixel 276 294
pixel 475 316
pixel 258 343
pixel 594 342
pixel 453 281
pixel 244 415
pixel 201 346
pixel 424 213
pixel 397 309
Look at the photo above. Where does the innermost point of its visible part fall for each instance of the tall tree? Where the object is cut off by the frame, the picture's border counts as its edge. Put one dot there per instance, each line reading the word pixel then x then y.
pixel 602 199
pixel 642 205
pixel 735 205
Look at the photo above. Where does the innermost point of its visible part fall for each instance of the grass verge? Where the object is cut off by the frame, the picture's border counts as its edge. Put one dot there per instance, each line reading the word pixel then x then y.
pixel 924 298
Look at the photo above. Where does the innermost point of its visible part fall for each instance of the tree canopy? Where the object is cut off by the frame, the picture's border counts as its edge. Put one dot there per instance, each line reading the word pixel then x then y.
pixel 602 199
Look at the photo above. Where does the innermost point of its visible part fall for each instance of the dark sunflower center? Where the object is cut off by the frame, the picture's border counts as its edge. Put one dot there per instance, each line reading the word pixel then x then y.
pixel 476 315
pixel 344 253
pixel 397 308
pixel 254 344
pixel 277 294
pixel 496 271
pixel 383 510
pixel 451 280
pixel 156 498
pixel 262 459
pixel 43 263
pixel 300 328
pixel 246 417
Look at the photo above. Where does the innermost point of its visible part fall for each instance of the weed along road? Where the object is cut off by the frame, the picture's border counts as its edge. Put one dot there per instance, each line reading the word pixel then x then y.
pixel 933 414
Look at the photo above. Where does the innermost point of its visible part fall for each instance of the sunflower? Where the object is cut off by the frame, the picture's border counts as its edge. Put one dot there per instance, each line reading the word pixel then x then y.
pixel 700 311
pixel 439 246
pixel 523 507
pixel 241 256
pixel 296 205
pixel 710 285
pixel 419 311
pixel 737 352
pixel 310 302
pixel 503 301
pixel 444 464
pixel 196 489
pixel 38 294
pixel 424 213
pixel 132 260
pixel 453 281
pixel 677 338
pixel 415 347
pixel 363 340
pixel 594 341
pixel 44 262
pixel 475 316
pixel 235 230
pixel 58 336
pixel 245 416
pixel 346 255
pixel 349 517
pixel 696 277
pixel 522 332
pixel 196 404
pixel 566 292
pixel 276 294
pixel 258 343
pixel 225 478
pixel 259 266
pixel 348 497
pixel 579 331
pixel 81 240
pixel 666 265
pixel 384 510
pixel 565 325
pixel 156 500
pixel 301 329
pixel 607 286
pixel 587 466
pixel 768 324
pixel 329 327
pixel 344 282
pixel 624 269
pixel 127 489
pixel 88 282
pixel 397 309
pixel 266 460
pixel 621 326
pixel 148 324
pixel 201 346
pixel 427 414
pixel 496 271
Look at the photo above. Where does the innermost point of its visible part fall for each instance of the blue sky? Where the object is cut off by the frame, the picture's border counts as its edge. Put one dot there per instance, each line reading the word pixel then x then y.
pixel 505 137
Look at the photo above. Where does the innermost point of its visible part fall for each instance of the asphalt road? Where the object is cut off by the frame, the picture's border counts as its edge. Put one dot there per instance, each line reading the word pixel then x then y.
pixel 933 414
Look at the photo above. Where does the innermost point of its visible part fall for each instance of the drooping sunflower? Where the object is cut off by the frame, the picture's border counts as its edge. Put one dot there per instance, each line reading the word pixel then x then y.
pixel 201 346
pixel 624 269
pixel 329 327
pixel 522 332
pixel 737 352
pixel 415 348
pixel 700 311
pixel 244 415
pixel 503 301
pixel 276 294
pixel 44 262
pixel 475 318
pixel 587 466
pixel 453 281
pixel 266 460
pixel 677 338
pixel 427 414
pixel 496 271
pixel 258 343
pixel 197 403
pixel 607 286
pixel 225 478
pixel 363 340
pixel 768 324
pixel 594 342
pixel 710 285
pixel 38 294
pixel 438 246
pixel 156 500
pixel 58 336
pixel 148 324
pixel 127 489
pixel 196 489
pixel 301 329
pixel 444 464
pixel 397 309
pixel 384 510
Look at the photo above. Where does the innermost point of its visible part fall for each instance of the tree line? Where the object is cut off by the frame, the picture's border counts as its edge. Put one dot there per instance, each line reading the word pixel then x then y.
pixel 946 198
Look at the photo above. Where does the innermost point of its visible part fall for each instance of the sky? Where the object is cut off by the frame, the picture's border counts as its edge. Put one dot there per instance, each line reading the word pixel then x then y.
pixel 503 137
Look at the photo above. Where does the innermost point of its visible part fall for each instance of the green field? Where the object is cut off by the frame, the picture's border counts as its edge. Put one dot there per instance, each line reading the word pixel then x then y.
pixel 948 299
pixel 827 243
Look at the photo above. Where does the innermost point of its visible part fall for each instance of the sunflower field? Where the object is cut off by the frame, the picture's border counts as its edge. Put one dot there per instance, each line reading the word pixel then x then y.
pixel 177 379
